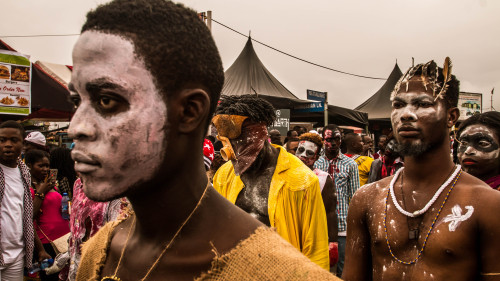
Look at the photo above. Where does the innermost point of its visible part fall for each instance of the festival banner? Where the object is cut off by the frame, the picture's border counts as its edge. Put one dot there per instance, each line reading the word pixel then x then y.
pixel 469 104
pixel 15 83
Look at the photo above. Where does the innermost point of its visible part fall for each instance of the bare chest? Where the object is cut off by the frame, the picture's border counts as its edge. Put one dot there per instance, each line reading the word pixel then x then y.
pixel 254 197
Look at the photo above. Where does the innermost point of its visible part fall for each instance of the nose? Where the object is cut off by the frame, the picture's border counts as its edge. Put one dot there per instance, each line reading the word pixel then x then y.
pixel 82 126
pixel 470 150
pixel 408 113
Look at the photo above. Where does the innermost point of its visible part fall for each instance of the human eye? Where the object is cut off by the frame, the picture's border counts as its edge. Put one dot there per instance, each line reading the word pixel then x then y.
pixel 425 104
pixel 76 100
pixel 397 104
pixel 309 153
pixel 300 149
pixel 484 143
pixel 110 104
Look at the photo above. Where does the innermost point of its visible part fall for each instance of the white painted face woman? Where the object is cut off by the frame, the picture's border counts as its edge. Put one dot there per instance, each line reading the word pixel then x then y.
pixel 479 151
pixel 119 125
pixel 307 152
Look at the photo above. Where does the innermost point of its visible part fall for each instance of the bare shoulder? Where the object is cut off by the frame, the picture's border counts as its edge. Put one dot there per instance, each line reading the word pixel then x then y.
pixel 476 190
pixel 373 190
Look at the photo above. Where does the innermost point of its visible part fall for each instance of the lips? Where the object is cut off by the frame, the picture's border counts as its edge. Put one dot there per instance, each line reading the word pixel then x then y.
pixel 408 131
pixel 84 163
pixel 469 162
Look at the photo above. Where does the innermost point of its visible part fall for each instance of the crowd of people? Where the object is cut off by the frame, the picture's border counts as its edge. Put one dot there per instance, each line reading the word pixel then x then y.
pixel 168 180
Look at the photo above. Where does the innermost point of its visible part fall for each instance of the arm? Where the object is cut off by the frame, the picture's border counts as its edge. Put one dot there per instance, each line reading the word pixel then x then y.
pixel 329 195
pixel 314 225
pixel 41 188
pixel 42 254
pixel 358 265
pixel 353 181
pixel 374 171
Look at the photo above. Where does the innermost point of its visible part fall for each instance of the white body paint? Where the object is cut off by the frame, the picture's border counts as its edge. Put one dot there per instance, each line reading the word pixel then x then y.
pixel 127 147
pixel 456 217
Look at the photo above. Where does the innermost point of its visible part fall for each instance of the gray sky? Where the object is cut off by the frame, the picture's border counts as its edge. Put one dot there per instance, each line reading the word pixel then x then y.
pixel 362 37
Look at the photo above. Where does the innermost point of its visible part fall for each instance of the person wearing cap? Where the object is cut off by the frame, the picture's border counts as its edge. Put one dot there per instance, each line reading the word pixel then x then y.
pixel 35 140
pixel 265 180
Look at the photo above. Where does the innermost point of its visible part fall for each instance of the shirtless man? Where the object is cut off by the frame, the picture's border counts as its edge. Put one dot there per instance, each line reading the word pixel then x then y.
pixel 396 238
pixel 146 79
pixel 266 181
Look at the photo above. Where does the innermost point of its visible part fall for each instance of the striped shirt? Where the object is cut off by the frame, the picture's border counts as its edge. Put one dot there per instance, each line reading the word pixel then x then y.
pixel 346 175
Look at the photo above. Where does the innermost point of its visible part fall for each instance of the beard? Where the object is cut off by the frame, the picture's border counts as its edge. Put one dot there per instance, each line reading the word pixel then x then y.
pixel 412 149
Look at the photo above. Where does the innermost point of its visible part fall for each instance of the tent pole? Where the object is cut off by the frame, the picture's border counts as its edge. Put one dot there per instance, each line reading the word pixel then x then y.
pixel 326 109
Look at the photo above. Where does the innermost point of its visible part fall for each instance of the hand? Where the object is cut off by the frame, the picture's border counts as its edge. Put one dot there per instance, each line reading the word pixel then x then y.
pixel 43 255
pixel 43 187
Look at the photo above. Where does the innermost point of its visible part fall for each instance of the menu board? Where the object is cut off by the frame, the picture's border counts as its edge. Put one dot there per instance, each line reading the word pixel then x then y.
pixel 15 83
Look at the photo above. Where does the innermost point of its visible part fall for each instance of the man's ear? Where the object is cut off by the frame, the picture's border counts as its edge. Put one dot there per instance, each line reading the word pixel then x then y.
pixel 194 106
pixel 453 114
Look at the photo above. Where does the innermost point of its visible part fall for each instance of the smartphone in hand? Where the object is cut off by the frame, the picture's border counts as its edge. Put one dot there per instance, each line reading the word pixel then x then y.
pixel 53 174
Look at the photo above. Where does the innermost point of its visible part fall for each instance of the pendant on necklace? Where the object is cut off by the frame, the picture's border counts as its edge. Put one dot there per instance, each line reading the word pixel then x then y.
pixel 413 234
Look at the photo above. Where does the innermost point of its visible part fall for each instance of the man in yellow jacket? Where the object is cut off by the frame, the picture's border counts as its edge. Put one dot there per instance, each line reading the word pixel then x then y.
pixel 266 181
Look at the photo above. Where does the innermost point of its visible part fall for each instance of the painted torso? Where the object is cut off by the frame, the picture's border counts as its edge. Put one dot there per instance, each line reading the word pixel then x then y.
pixel 452 243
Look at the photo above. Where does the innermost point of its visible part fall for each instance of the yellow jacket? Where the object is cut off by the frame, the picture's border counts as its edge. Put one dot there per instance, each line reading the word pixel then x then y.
pixel 295 205
pixel 364 166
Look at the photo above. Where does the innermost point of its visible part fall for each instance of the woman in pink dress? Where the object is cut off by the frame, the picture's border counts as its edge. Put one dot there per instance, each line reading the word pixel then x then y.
pixel 49 223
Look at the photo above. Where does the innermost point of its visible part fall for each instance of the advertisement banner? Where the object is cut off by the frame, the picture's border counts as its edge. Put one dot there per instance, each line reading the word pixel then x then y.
pixel 15 83
pixel 469 104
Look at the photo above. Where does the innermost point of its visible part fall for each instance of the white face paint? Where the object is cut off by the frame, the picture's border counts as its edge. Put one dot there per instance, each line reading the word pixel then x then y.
pixel 306 151
pixel 456 217
pixel 119 126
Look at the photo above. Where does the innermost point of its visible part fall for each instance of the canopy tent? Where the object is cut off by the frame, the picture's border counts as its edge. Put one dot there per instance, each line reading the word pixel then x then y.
pixel 49 92
pixel 379 106
pixel 248 75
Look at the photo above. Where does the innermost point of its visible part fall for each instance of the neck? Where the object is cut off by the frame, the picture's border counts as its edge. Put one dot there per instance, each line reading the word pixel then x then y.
pixel 332 156
pixel 429 168
pixel 10 164
pixel 163 205
pixel 350 151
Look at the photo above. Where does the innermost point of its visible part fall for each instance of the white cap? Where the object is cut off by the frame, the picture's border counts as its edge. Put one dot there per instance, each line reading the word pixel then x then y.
pixel 36 138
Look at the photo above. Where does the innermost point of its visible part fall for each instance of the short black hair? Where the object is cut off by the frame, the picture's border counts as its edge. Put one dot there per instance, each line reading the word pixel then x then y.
pixel 176 46
pixel 294 139
pixel 349 138
pixel 60 159
pixel 490 119
pixel 256 109
pixel 35 155
pixel 14 125
pixel 331 127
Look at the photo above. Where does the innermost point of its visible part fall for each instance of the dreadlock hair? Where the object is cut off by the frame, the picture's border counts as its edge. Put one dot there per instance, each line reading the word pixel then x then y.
pixel 60 159
pixel 331 127
pixel 14 125
pixel 256 109
pixel 312 137
pixel 35 155
pixel 175 45
pixel 491 119
pixel 439 80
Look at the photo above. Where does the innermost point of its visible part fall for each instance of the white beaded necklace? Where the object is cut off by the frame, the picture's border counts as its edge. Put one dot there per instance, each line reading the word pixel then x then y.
pixel 429 204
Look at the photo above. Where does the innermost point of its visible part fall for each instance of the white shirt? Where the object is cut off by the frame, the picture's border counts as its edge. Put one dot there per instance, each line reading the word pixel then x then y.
pixel 12 215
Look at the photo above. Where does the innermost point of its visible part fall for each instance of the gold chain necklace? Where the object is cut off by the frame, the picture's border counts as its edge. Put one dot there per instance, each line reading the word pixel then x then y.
pixel 114 277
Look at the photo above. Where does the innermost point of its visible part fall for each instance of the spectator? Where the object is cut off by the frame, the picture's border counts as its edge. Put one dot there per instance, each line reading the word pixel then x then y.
pixel 60 159
pixel 387 164
pixel 49 224
pixel 35 140
pixel 478 149
pixel 275 137
pixel 16 209
pixel 355 147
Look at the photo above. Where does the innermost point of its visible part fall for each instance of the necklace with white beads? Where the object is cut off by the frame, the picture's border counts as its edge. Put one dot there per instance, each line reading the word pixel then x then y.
pixel 429 204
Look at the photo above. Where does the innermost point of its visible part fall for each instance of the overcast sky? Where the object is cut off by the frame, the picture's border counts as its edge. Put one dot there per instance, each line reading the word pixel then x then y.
pixel 362 37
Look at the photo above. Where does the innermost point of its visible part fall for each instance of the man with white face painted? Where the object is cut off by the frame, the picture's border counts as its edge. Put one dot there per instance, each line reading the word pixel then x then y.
pixel 146 80
pixel 479 147
pixel 430 221
pixel 310 145
pixel 266 181
pixel 388 163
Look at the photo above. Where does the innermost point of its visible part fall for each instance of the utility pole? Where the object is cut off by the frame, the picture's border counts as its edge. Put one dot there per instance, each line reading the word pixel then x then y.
pixel 209 20
pixel 326 108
